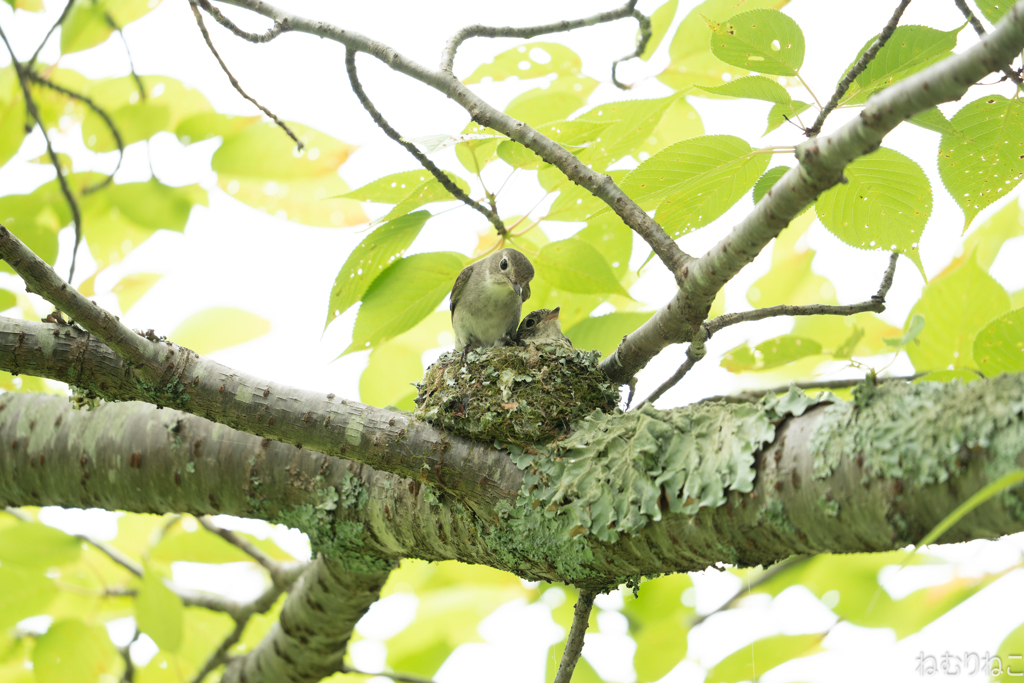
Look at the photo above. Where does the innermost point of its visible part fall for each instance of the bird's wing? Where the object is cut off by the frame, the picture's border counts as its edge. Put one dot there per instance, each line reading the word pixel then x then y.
pixel 460 285
pixel 526 291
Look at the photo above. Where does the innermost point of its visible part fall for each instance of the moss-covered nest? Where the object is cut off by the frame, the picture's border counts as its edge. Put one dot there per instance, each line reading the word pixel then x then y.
pixel 514 394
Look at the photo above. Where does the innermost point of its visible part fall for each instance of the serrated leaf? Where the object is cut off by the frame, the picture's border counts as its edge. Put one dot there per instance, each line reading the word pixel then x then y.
pixel 934 120
pixel 695 181
pixel 159 612
pixel 987 161
pixel 576 266
pixel 780 113
pixel 404 294
pixel 380 248
pixel 790 280
pixel 391 189
pixel 956 306
pixel 762 656
pixel 661 20
pixel 395 364
pixel 605 332
pixel 987 240
pixel 691 61
pixel 679 122
pixel 87 25
pixel 767 181
pixel 994 9
pixel 754 88
pixel 71 652
pixel 999 346
pixel 27 592
pixel 763 40
pixel 133 287
pixel 429 192
pixel 33 545
pixel 884 206
pixel 530 60
pixel 769 354
pixel 218 328
pixel 634 122
pixel 479 149
pixel 558 100
pixel 908 50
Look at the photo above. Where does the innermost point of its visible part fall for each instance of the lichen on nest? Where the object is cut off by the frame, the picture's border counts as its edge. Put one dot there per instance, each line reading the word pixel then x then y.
pixel 514 394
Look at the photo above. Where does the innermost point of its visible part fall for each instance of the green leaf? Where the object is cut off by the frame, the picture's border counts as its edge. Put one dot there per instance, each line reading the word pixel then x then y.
pixel 956 306
pixel 557 100
pixel 576 266
pixel 391 189
pixel 218 328
pixel 610 236
pixel 27 592
pixel 179 545
pixel 27 5
pixel 34 545
pixel 691 61
pixel 661 20
pixel 762 40
pixel 983 164
pixel 87 25
pixel 762 656
pixel 397 363
pixel 986 241
pixel 13 115
pixel 791 280
pixel 693 182
pixel 883 207
pixel 990 490
pixel 210 124
pixel 999 346
pixel 404 294
pixel 605 332
pixel 767 181
pixel 1013 644
pixel 429 192
pixel 479 149
pixel 659 625
pixel 71 652
pixel 780 113
pixel 8 299
pixel 380 248
pixel 159 612
pixel 133 287
pixel 769 354
pixel 993 9
pixel 259 165
pixel 914 328
pixel 934 120
pixel 754 88
pixel 634 122
pixel 908 50
pixel 574 202
pixel 679 122
pixel 530 60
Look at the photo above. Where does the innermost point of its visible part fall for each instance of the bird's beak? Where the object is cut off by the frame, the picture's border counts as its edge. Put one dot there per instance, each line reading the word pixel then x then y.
pixel 518 289
pixel 553 315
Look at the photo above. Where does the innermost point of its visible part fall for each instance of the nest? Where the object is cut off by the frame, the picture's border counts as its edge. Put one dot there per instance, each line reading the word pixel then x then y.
pixel 514 394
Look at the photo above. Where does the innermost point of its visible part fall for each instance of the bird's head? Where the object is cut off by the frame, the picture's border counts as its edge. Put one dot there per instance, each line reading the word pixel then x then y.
pixel 516 269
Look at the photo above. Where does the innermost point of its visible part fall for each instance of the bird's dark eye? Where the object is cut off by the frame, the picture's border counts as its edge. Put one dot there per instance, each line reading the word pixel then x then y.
pixel 504 264
pixel 530 323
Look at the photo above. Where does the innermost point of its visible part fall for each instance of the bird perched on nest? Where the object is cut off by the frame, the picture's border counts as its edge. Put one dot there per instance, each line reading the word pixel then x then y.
pixel 488 297
pixel 543 327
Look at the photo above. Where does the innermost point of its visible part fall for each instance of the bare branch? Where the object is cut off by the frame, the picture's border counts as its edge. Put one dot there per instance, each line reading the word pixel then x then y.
pixel 694 354
pixel 574 643
pixel 876 303
pixel 401 678
pixel 30 105
pixel 442 177
pixel 234 82
pixel 970 16
pixel 762 578
pixel 273 32
pixel 36 78
pixel 857 69
pixel 127 50
pixel 60 20
pixel 114 554
pixel 641 45
pixel 478 31
pixel 283 574
pixel 751 395
pixel 129 666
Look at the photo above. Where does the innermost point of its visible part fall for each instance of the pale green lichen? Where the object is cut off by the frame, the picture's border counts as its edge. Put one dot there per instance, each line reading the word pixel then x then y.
pixel 775 515
pixel 828 506
pixel 353 493
pixel 923 433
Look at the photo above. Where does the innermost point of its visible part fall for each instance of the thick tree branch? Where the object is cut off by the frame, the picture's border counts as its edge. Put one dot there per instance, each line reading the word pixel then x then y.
pixel 857 69
pixel 234 82
pixel 598 184
pixel 273 32
pixel 822 160
pixel 353 78
pixel 574 642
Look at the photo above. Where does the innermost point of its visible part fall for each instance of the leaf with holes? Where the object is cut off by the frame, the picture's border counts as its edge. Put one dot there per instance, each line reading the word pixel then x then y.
pixel 428 193
pixel 368 260
pixel 767 181
pixel 987 162
pixel 762 40
pixel 391 189
pixel 769 354
pixel 884 206
pixel 634 122
pixel 994 9
pixel 531 60
pixel 908 50
pixel 693 182
pixel 753 88
pixel 557 100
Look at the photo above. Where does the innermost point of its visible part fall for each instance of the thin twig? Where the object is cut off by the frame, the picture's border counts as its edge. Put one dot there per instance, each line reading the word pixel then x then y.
pixel 857 69
pixel 234 82
pixel 30 105
pixel 979 28
pixel 401 678
pixel 114 554
pixel 131 62
pixel 767 575
pixel 129 666
pixel 574 643
pixel 281 573
pixel 694 353
pixel 876 303
pixel 30 64
pixel 478 31
pixel 273 32
pixel 36 78
pixel 752 395
pixel 641 45
pixel 442 177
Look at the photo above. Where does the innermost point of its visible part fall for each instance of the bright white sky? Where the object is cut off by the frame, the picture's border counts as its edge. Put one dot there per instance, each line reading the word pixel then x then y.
pixel 233 255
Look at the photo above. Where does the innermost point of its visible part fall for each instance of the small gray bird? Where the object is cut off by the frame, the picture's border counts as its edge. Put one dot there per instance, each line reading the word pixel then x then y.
pixel 488 297
pixel 543 327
